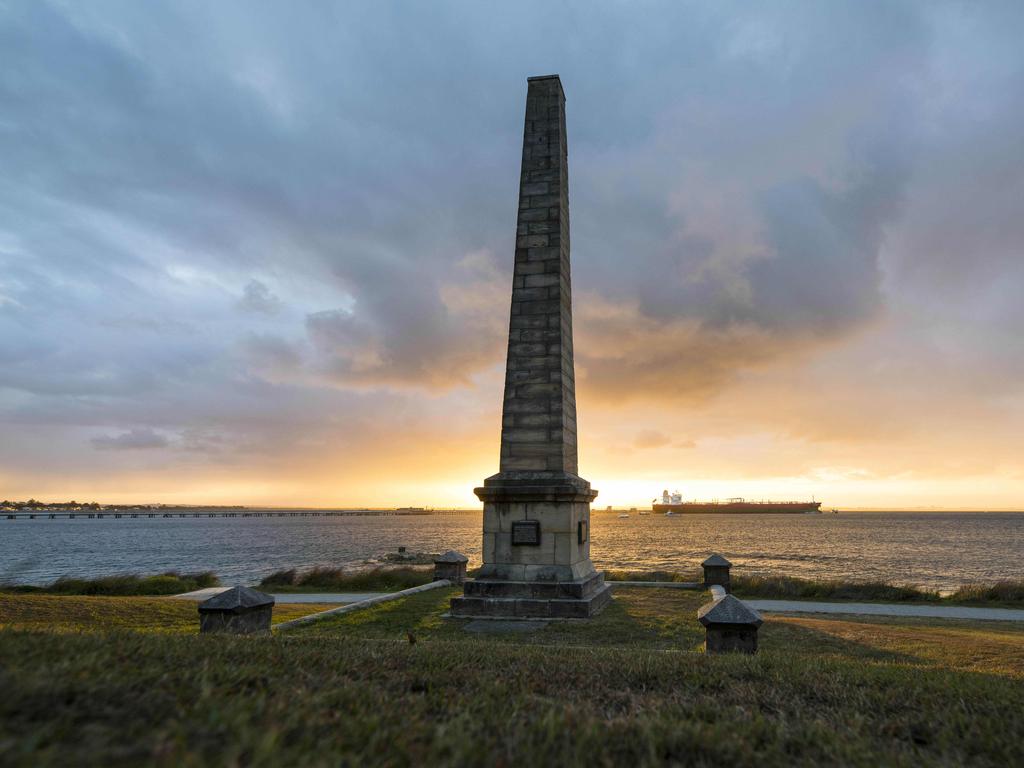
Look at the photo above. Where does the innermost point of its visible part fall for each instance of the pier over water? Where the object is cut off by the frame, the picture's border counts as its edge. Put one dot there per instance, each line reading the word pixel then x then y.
pixel 78 514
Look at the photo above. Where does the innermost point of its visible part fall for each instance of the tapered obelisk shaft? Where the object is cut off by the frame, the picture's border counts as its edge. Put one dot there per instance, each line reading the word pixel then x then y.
pixel 536 526
pixel 538 429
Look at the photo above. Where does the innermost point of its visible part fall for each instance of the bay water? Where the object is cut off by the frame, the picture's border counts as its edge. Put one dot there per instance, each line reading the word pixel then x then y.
pixel 939 550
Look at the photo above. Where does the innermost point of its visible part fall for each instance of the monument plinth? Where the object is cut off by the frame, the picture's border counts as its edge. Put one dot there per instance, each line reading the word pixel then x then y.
pixel 536 547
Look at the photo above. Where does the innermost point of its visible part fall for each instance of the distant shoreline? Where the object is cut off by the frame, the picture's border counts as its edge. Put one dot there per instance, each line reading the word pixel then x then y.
pixel 42 508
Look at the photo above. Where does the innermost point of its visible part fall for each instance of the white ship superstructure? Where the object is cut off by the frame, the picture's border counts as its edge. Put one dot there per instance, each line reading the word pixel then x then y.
pixel 673 498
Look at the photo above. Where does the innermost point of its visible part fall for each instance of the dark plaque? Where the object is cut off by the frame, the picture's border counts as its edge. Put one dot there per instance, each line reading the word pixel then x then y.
pixel 581 532
pixel 526 533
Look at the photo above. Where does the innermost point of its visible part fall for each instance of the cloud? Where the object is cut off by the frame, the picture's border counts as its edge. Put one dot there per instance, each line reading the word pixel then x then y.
pixel 302 227
pixel 256 297
pixel 132 440
pixel 804 274
pixel 651 438
pixel 412 330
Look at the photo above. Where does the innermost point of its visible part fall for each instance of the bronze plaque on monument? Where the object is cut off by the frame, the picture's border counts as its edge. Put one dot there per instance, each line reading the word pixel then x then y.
pixel 526 533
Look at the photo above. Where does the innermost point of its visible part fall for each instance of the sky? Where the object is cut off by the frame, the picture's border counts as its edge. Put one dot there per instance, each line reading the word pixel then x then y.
pixel 261 253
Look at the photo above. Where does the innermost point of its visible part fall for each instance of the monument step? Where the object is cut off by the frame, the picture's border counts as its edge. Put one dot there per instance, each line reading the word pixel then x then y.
pixel 527 608
pixel 541 590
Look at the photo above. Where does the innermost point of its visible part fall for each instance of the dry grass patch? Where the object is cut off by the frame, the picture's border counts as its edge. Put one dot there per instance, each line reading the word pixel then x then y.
pixel 989 647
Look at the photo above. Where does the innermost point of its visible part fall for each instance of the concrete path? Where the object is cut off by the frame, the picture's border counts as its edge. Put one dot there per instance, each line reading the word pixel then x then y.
pixel 889 609
pixel 658 584
pixel 291 597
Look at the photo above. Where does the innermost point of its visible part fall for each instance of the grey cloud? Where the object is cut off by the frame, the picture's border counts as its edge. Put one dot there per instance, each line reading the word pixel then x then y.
pixel 134 439
pixel 256 297
pixel 272 357
pixel 700 320
pixel 822 272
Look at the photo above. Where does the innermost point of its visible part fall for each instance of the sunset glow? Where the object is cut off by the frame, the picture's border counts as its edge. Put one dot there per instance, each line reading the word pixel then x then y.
pixel 274 267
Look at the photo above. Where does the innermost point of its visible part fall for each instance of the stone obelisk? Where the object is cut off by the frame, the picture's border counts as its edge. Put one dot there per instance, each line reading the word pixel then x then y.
pixel 536 547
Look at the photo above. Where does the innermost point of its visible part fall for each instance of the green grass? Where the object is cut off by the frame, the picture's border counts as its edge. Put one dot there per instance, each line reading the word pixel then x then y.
pixel 170 583
pixel 341 580
pixel 628 688
pixel 52 613
pixel 650 618
pixel 665 619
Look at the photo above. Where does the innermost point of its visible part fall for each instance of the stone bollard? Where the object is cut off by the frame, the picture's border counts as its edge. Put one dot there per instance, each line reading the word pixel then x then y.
pixel 237 611
pixel 716 571
pixel 452 566
pixel 730 625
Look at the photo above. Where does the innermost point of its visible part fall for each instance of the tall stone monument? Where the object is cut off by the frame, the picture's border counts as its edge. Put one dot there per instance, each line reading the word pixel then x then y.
pixel 536 553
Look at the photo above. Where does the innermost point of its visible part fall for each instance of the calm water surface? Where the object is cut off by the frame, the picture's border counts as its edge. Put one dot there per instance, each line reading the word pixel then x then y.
pixel 940 550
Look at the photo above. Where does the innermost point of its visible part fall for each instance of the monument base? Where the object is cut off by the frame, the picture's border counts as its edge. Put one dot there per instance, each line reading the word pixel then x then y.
pixel 536 550
pixel 503 599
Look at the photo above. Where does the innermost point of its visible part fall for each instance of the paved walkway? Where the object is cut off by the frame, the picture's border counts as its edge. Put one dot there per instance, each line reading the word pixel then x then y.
pixel 889 609
pixel 290 597
pixel 769 606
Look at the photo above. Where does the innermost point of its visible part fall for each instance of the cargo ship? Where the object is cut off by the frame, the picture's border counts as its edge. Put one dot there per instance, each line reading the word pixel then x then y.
pixel 673 504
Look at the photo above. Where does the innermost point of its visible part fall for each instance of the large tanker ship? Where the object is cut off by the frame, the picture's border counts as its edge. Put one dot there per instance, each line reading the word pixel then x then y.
pixel 673 504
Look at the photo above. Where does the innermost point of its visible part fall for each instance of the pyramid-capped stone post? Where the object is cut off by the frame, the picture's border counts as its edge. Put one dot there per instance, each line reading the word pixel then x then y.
pixel 536 544
pixel 716 571
pixel 730 625
pixel 238 611
pixel 451 566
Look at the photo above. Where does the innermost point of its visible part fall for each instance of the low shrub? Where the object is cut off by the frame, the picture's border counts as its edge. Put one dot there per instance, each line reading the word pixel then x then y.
pixel 784 587
pixel 1006 591
pixel 170 583
pixel 342 580
pixel 280 579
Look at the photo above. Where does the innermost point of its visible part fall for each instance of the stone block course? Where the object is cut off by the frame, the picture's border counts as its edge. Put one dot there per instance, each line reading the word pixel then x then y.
pixel 523 435
pixel 545 307
pixel 542 253
pixel 532 241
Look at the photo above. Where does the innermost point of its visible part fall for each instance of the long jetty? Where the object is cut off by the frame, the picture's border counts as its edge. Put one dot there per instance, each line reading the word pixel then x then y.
pixel 47 514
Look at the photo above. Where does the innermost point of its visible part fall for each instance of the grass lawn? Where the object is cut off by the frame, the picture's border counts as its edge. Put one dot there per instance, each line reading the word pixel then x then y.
pixel 52 613
pixel 647 618
pixel 629 687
